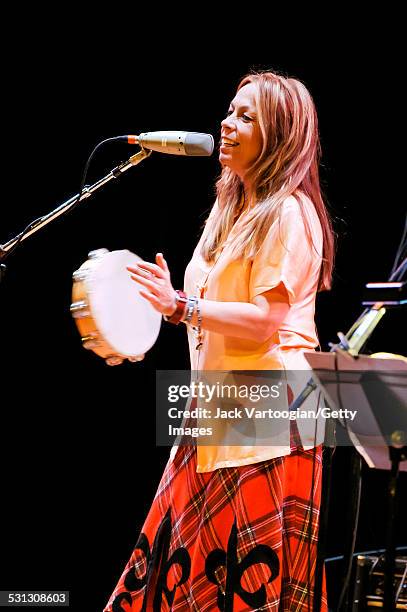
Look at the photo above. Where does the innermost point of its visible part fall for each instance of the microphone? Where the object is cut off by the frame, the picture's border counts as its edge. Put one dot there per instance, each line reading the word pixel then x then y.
pixel 174 143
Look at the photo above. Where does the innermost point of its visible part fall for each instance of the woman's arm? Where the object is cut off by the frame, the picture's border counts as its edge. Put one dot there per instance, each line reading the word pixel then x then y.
pixel 255 321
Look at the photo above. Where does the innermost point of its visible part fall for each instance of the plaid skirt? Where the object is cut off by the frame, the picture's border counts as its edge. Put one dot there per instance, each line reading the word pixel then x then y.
pixel 235 539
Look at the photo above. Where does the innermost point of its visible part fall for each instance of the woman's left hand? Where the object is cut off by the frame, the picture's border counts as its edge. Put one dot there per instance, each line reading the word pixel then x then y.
pixel 156 278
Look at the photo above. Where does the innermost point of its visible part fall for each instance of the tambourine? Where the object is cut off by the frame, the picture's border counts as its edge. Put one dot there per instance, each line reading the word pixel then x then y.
pixel 113 319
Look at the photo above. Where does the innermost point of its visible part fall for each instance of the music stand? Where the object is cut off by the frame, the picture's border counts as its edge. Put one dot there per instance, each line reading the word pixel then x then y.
pixel 377 390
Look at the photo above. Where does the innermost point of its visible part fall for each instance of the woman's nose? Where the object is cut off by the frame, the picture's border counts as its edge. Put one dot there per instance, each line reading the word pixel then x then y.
pixel 228 122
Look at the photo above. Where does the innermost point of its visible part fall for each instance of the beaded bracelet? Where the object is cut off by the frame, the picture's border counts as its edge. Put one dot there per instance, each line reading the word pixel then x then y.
pixel 185 310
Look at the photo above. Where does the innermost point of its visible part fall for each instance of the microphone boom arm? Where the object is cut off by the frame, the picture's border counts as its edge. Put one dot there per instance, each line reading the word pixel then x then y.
pixel 8 247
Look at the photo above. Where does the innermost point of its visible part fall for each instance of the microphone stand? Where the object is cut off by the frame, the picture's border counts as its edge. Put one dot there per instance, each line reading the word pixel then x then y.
pixel 7 248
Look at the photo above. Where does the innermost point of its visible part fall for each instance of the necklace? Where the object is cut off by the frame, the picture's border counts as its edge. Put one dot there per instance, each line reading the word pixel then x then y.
pixel 202 284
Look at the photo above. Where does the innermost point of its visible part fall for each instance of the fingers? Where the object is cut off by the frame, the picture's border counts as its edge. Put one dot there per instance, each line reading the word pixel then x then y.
pixel 150 267
pixel 160 269
pixel 156 280
pixel 154 301
pixel 141 272
pixel 144 281
pixel 161 262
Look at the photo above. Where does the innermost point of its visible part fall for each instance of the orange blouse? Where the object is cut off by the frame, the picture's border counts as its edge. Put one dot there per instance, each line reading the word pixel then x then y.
pixel 286 256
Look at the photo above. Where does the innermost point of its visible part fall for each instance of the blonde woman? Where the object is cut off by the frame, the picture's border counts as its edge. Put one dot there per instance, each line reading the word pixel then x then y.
pixel 235 527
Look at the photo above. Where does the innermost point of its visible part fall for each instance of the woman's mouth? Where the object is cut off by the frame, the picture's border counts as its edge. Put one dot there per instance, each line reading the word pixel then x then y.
pixel 226 142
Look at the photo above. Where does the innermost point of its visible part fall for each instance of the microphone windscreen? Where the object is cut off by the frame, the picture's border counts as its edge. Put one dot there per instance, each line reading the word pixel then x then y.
pixel 198 144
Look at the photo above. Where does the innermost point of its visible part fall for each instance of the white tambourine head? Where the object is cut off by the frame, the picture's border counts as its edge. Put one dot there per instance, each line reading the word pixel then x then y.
pixel 125 318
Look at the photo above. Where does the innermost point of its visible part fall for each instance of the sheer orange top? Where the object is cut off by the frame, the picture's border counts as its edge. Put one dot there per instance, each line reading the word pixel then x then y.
pixel 286 256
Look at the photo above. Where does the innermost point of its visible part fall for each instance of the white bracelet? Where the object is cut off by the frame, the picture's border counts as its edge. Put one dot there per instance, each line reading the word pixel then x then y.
pixel 190 309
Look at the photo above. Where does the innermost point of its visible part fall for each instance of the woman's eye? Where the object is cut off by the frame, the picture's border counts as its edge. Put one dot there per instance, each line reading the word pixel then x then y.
pixel 244 117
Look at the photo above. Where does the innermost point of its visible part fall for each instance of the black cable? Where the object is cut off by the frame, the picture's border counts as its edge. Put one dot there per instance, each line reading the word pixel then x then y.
pixel 354 509
pixel 86 169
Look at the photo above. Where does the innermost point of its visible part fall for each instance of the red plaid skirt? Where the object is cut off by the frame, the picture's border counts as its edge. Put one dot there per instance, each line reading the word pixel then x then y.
pixel 235 539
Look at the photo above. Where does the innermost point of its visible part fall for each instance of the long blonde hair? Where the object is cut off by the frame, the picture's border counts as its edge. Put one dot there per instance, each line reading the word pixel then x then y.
pixel 287 166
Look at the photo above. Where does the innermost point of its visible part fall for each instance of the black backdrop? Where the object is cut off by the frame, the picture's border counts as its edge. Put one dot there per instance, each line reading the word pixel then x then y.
pixel 79 462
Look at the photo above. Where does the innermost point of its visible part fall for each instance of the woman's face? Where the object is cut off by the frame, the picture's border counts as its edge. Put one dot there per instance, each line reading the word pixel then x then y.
pixel 240 133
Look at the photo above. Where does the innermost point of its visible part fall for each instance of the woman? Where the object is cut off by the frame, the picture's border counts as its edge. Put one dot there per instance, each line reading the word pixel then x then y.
pixel 234 527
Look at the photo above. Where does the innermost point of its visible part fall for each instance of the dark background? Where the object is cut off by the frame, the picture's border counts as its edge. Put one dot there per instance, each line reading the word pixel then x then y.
pixel 79 462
